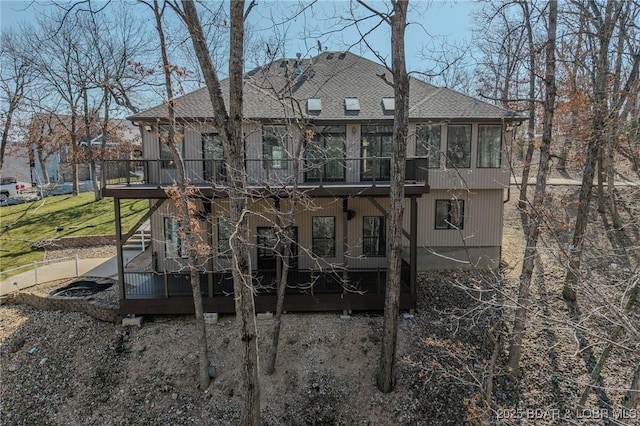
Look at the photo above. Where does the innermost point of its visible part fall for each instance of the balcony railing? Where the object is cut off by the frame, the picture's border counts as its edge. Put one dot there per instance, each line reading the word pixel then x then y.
pixel 261 172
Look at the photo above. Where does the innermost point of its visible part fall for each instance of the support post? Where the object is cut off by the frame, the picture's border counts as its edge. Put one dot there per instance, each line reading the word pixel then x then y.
pixel 413 246
pixel 279 260
pixel 345 248
pixel 119 243
pixel 77 266
pixel 35 270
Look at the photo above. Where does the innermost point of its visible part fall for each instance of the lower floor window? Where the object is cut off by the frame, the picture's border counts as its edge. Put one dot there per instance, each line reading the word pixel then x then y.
pixel 172 241
pixel 324 236
pixel 373 236
pixel 224 234
pixel 449 214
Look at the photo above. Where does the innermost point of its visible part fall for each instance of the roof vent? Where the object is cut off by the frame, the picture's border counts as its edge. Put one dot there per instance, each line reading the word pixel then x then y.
pixel 351 104
pixel 298 69
pixel 314 104
pixel 389 104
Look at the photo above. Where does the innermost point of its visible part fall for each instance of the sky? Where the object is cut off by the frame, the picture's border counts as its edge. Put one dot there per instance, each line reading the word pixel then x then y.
pixel 430 23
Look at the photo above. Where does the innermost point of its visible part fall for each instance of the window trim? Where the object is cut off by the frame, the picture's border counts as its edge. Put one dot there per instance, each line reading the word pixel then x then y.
pixel 332 253
pixel 499 147
pixel 382 237
pixel 448 220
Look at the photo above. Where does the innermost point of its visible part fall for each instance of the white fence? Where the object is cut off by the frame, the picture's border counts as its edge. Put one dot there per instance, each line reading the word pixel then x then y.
pixel 38 264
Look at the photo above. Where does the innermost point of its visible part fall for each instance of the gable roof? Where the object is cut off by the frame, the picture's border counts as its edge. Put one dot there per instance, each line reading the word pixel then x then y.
pixel 332 77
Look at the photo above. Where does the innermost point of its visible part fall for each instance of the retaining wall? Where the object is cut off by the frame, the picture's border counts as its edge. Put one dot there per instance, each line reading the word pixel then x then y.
pixel 99 311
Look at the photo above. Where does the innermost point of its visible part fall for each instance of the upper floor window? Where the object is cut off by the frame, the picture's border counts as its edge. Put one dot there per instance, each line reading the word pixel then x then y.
pixel 213 156
pixel 324 154
pixel 459 146
pixel 377 150
pixel 274 147
pixel 172 242
pixel 324 236
pixel 165 151
pixel 428 138
pixel 489 145
pixel 449 214
pixel 373 236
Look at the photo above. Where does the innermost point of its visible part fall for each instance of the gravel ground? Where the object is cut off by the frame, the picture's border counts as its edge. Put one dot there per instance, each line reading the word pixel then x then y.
pixel 62 368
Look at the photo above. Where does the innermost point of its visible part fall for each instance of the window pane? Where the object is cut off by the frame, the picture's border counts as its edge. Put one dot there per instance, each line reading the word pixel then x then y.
pixel 489 145
pixel 274 146
pixel 324 154
pixel 428 139
pixel 165 152
pixel 213 154
pixel 442 214
pixel 459 146
pixel 377 141
pixel 224 233
pixel 324 236
pixel 172 242
pixel 449 214
pixel 373 236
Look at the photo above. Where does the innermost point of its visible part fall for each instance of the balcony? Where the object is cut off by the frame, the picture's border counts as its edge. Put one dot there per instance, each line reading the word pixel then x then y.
pixel 335 176
pixel 171 293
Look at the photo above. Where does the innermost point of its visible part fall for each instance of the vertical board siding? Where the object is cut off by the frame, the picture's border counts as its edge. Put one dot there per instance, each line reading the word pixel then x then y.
pixel 483 215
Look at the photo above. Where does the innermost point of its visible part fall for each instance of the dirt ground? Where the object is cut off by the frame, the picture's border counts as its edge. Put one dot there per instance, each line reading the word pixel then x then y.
pixel 60 368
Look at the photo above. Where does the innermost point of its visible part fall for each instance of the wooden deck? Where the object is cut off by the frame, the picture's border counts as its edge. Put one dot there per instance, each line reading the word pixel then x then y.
pixel 153 293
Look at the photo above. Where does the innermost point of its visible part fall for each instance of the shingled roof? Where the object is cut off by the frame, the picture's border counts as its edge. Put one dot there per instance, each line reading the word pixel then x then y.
pixel 331 77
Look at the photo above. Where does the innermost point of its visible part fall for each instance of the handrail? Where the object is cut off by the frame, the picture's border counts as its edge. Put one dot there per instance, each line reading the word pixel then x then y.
pixel 260 171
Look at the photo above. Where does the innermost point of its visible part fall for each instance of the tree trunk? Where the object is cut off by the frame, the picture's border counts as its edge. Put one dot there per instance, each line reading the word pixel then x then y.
pixel 43 165
pixel 75 190
pixel 5 133
pixel 526 166
pixel 633 394
pixel 533 228
pixel 604 26
pixel 230 126
pixel 282 287
pixel 595 374
pixel 385 378
pixel 188 221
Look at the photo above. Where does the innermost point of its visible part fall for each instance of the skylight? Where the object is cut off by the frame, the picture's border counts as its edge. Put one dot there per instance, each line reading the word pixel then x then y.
pixel 314 104
pixel 389 104
pixel 351 104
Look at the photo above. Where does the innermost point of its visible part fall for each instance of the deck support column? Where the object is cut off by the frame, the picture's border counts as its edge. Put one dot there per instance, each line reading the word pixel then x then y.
pixel 279 260
pixel 345 248
pixel 209 220
pixel 413 246
pixel 119 244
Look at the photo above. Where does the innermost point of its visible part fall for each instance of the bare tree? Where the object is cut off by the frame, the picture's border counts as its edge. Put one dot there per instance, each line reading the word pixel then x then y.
pixel 536 210
pixel 601 24
pixel 397 20
pixel 17 75
pixel 229 122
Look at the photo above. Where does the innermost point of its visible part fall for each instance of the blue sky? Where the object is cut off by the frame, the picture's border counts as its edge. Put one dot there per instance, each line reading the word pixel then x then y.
pixel 431 23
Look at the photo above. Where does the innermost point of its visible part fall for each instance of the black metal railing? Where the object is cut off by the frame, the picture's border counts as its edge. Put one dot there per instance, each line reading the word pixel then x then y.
pixel 261 172
pixel 146 285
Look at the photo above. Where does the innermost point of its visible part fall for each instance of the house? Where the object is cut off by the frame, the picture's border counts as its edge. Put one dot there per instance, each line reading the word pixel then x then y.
pixel 50 154
pixel 322 127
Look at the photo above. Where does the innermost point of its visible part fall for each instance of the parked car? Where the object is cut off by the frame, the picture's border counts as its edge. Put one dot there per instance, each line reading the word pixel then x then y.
pixel 9 187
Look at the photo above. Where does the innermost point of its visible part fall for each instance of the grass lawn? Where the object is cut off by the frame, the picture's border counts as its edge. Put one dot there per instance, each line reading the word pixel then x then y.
pixel 23 225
